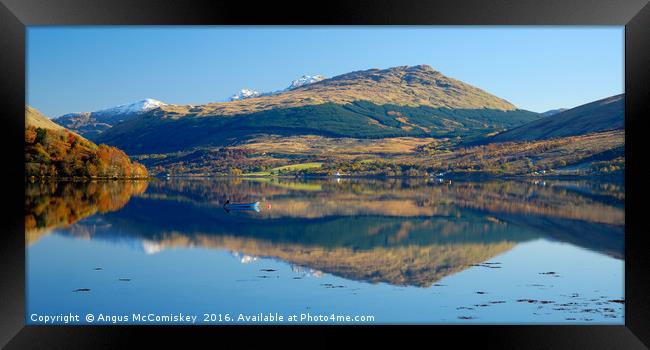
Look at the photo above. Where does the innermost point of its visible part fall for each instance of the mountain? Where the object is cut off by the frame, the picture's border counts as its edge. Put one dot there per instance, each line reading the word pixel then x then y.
pixel 553 112
pixel 405 85
pixel 131 108
pixel 602 115
pixel 53 151
pixel 249 93
pixel 244 94
pixel 91 124
pixel 305 80
pixel 376 103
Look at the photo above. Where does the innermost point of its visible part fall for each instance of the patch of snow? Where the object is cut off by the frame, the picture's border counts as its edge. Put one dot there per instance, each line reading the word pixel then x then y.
pixel 305 80
pixel 244 94
pixel 302 81
pixel 131 108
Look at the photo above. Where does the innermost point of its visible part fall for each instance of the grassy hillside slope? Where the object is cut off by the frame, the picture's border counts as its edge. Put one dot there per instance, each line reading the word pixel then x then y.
pixel 34 118
pixel 602 115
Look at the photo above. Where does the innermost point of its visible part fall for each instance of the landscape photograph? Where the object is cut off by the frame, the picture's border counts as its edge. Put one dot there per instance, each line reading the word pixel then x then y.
pixel 213 175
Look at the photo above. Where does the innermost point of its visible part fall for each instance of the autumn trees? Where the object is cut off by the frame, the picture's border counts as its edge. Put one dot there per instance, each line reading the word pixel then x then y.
pixel 62 154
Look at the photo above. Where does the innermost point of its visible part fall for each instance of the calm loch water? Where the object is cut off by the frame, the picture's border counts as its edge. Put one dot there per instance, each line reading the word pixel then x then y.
pixel 385 251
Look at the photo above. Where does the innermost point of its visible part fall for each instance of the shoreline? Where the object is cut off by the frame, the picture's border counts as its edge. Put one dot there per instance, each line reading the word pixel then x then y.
pixel 446 177
pixel 450 176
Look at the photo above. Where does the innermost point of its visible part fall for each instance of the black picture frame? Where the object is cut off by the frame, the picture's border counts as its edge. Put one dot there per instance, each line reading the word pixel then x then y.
pixel 15 15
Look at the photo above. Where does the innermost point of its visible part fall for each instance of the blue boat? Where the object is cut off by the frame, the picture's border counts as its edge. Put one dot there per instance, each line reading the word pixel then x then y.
pixel 241 206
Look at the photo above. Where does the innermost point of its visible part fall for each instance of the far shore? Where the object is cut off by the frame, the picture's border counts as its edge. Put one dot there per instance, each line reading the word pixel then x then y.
pixel 450 176
pixel 446 178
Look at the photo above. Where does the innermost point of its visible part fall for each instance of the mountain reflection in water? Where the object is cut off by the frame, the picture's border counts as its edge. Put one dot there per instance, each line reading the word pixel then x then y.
pixel 407 232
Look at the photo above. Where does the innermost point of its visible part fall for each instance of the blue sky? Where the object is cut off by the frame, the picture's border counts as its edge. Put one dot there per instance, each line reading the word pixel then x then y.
pixel 71 69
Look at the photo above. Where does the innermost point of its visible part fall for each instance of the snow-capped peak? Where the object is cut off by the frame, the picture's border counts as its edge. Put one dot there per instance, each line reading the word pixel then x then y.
pixel 305 80
pixel 302 81
pixel 244 94
pixel 135 107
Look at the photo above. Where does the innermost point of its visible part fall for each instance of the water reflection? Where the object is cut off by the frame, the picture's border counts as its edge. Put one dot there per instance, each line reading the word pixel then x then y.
pixel 402 232
pixel 50 205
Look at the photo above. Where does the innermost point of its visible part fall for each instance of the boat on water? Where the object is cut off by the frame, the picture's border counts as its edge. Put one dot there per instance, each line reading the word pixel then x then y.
pixel 241 206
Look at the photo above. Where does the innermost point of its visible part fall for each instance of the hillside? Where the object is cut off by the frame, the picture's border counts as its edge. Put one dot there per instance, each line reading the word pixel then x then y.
pixel 587 140
pixel 592 154
pixel 401 101
pixel 602 115
pixel 34 118
pixel 53 151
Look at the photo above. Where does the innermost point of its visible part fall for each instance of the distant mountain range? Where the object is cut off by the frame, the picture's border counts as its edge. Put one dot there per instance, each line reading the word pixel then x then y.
pixel 250 93
pixel 400 101
pixel 91 124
